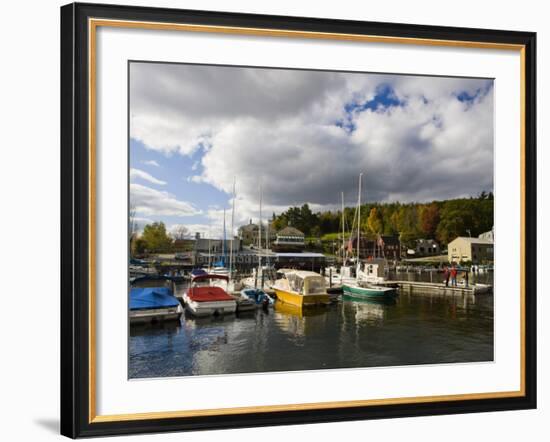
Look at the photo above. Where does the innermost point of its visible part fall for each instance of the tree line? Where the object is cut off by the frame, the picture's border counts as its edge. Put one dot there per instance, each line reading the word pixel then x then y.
pixel 443 220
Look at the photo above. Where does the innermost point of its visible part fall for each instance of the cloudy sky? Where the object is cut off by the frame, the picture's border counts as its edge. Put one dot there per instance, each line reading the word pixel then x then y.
pixel 304 136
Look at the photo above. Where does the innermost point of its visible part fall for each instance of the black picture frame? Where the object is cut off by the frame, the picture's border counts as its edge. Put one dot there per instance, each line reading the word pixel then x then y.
pixel 75 221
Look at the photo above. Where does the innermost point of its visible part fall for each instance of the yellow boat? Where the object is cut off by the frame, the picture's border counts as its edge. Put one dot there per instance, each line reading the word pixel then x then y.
pixel 301 288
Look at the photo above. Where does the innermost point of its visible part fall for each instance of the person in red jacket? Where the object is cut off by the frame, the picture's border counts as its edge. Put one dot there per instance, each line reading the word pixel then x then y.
pixel 454 272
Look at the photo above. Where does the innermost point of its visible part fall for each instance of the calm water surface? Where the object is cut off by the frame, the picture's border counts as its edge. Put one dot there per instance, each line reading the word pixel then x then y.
pixel 416 329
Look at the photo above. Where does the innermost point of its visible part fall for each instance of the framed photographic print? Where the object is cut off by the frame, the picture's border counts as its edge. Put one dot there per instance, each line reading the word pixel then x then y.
pixel 274 220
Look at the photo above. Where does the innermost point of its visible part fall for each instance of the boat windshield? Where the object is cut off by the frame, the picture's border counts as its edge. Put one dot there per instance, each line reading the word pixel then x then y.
pixel 316 285
pixel 295 282
pixel 209 280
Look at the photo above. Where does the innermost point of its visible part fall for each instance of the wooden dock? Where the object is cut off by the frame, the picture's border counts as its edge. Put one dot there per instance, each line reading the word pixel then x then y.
pixel 412 287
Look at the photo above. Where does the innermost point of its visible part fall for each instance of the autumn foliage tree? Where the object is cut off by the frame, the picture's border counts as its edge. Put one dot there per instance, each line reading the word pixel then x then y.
pixel 429 219
pixel 375 222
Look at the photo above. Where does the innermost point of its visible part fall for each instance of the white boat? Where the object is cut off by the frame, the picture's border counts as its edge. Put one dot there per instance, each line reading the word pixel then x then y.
pixel 340 276
pixel 373 271
pixel 203 298
pixel 477 288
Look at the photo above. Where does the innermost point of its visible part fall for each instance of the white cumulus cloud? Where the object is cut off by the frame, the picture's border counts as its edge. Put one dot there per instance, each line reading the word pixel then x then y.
pixel 308 134
pixel 141 174
pixel 147 201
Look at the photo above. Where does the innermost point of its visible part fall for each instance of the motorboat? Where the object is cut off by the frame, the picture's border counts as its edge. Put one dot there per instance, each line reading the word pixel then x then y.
pixel 205 297
pixel 372 271
pixel 365 290
pixel 258 296
pixel 301 288
pixel 153 304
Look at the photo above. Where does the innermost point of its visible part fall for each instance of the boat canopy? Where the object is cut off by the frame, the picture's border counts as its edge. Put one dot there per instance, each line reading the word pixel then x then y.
pixel 304 282
pixel 208 294
pixel 197 272
pixel 151 298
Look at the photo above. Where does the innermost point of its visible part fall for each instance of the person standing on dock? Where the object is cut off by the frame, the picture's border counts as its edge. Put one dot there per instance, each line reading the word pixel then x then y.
pixel 466 277
pixel 446 275
pixel 453 275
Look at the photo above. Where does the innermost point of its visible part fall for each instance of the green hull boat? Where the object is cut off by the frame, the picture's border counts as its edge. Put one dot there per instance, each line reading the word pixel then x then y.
pixel 369 292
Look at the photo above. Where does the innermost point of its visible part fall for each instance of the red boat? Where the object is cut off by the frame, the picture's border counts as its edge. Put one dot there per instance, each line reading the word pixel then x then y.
pixel 205 298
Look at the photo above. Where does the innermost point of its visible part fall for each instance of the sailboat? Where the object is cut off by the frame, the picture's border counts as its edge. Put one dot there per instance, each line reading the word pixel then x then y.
pixel 337 277
pixel 264 276
pixel 218 267
pixel 359 288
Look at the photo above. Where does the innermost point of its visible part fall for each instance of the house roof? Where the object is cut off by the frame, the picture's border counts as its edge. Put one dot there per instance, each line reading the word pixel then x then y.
pixel 300 255
pixel 300 273
pixel 473 240
pixel 250 226
pixel 427 241
pixel 290 231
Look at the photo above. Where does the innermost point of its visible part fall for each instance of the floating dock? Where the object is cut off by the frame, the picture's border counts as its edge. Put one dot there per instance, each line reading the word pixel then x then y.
pixel 412 287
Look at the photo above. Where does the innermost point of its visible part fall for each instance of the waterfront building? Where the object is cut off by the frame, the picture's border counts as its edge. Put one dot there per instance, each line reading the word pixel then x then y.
pixel 389 247
pixel 383 246
pixel 289 239
pixel 427 247
pixel 184 245
pixel 216 246
pixel 475 250
pixel 490 235
pixel 304 261
pixel 248 234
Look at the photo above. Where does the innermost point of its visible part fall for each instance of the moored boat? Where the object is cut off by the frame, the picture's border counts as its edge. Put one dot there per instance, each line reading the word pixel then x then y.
pixel 204 298
pixel 258 296
pixel 301 288
pixel 368 291
pixel 153 304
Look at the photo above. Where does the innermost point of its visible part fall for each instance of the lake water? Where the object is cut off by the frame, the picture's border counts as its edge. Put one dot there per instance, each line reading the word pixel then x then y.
pixel 416 329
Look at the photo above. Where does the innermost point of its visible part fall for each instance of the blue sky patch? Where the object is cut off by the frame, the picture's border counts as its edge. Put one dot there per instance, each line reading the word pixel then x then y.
pixel 176 171
pixel 385 98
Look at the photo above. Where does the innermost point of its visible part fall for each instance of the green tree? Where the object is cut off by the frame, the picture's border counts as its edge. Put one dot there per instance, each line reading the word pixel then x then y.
pixel 138 246
pixel 155 237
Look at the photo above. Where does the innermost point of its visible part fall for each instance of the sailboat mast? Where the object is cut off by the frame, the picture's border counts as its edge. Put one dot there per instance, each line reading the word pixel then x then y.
pixel 232 231
pixel 359 224
pixel 259 233
pixel 260 222
pixel 209 252
pixel 267 234
pixel 343 232
pixel 223 239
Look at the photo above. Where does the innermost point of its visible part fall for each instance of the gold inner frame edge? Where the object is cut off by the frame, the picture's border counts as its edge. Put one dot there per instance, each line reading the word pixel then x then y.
pixel 93 24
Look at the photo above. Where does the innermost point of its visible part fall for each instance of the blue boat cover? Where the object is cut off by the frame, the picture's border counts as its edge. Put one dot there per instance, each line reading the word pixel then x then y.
pixel 197 272
pixel 151 297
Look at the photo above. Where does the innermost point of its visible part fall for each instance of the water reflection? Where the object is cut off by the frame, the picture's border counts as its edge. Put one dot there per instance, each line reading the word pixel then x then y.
pixel 369 311
pixel 413 329
pixel 297 321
